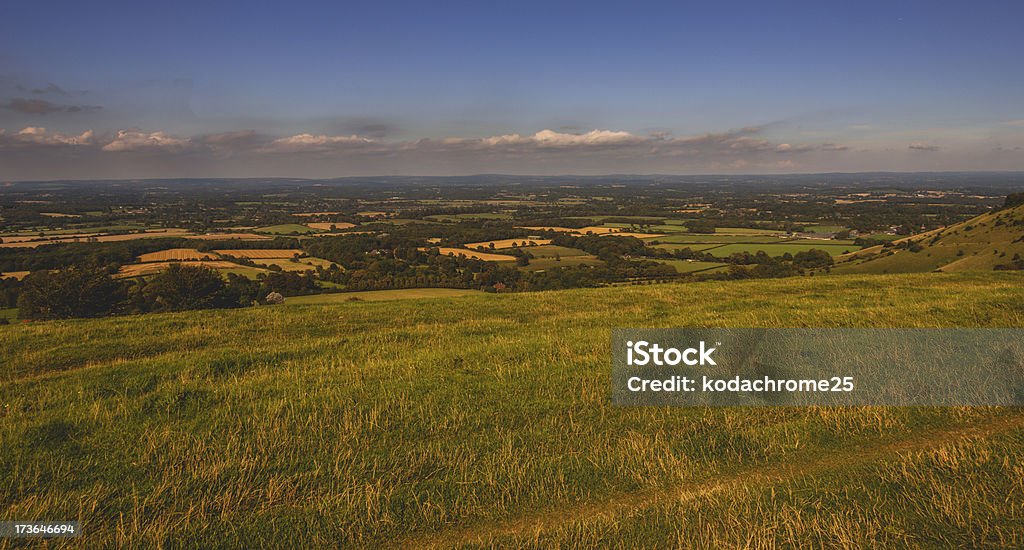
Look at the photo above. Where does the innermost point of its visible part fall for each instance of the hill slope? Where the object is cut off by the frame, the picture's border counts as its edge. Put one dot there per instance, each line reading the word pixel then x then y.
pixel 486 420
pixel 979 244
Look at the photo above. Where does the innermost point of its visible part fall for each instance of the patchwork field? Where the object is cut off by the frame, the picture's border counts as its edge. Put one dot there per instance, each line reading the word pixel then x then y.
pixel 263 253
pixel 447 251
pixel 538 264
pixel 782 248
pixel 693 266
pixel 176 254
pixel 551 251
pixel 484 421
pixel 100 238
pixel 285 229
pixel 229 236
pixel 326 226
pixel 302 264
pixel 509 243
pixel 137 270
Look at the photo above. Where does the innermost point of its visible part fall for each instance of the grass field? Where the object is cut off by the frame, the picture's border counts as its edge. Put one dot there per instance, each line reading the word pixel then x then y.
pixel 538 264
pixel 285 229
pixel 485 421
pixel 687 266
pixel 380 295
pixel 508 243
pixel 716 239
pixel 152 268
pixel 551 250
pixel 175 254
pixel 486 256
pixel 781 248
pixel 326 226
pixel 303 264
pixel 10 313
pixel 261 253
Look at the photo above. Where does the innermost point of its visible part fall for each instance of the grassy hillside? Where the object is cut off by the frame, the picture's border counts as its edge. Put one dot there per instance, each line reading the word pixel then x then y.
pixel 979 244
pixel 485 419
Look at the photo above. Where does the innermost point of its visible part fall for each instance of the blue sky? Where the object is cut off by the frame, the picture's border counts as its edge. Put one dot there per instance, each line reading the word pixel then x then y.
pixel 138 89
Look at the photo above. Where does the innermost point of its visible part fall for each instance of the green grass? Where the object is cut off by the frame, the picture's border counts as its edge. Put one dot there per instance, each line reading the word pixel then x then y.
pixel 696 247
pixel 551 250
pixel 474 216
pixel 978 244
pixel 9 313
pixel 286 229
pixel 716 239
pixel 566 261
pixel 824 228
pixel 378 295
pixel 686 266
pixel 782 248
pixel 485 421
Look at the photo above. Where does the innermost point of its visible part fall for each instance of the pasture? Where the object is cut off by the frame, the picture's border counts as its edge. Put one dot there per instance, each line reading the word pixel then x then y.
pixel 484 421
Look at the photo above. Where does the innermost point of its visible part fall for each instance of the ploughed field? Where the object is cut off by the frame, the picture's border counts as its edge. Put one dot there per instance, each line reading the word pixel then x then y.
pixel 485 420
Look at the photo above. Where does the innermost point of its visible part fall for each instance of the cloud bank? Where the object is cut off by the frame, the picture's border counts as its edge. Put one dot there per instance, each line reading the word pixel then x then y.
pixel 38 153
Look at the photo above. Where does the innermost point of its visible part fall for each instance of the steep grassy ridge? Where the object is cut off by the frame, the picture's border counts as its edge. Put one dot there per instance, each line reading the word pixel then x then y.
pixel 978 244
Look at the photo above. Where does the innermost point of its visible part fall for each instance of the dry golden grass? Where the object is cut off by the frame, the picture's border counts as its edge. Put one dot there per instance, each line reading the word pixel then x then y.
pixel 508 243
pixel 228 236
pixel 268 253
pixel 487 257
pixel 23 242
pixel 135 270
pixel 19 275
pixel 326 226
pixel 176 254
pixel 286 264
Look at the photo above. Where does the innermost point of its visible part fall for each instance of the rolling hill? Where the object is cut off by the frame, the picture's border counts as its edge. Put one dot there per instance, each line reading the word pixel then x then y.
pixel 984 243
pixel 485 420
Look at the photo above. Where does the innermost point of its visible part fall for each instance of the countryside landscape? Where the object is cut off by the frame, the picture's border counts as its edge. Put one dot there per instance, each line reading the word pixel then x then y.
pixel 434 372
pixel 531 275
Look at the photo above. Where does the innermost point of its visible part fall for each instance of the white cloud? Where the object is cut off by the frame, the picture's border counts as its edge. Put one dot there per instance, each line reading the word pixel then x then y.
pixel 39 136
pixel 314 143
pixel 134 140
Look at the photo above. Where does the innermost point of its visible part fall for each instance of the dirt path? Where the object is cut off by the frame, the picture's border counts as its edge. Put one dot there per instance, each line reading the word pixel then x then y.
pixel 535 523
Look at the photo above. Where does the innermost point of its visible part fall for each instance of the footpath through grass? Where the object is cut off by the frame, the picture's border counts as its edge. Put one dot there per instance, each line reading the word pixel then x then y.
pixel 364 423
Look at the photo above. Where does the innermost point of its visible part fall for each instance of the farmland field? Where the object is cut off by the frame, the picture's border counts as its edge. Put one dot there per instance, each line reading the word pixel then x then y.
pixel 550 251
pixel 286 264
pixel 285 229
pixel 486 256
pixel 690 266
pixel 326 226
pixel 782 248
pixel 175 254
pixel 565 261
pixel 484 421
pixel 717 239
pixel 508 243
pixel 260 252
pixel 151 268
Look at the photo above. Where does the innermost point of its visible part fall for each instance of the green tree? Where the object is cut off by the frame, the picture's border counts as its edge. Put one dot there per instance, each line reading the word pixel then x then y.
pixel 78 291
pixel 184 287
